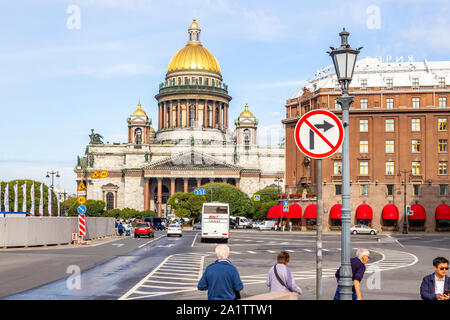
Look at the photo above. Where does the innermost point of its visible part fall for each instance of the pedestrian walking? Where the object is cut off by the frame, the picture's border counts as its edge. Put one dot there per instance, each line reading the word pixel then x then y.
pixel 120 228
pixel 276 226
pixel 280 277
pixel 283 225
pixel 221 278
pixel 358 264
pixel 436 286
pixel 290 226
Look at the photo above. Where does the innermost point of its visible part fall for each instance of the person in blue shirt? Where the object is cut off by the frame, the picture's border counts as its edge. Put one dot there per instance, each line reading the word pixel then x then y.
pixel 221 278
pixel 358 264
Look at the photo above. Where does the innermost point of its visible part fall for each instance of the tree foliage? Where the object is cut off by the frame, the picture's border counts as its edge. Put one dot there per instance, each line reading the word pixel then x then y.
pixel 186 205
pixel 239 202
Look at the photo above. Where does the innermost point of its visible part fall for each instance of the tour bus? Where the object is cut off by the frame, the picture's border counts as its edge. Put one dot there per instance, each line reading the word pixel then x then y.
pixel 215 221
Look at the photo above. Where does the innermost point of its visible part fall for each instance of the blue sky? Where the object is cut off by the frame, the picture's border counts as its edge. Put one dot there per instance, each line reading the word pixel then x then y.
pixel 57 83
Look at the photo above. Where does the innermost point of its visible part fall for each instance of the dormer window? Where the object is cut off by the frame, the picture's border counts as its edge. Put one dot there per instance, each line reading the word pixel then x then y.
pixel 441 82
pixel 415 82
pixel 363 84
pixel 389 83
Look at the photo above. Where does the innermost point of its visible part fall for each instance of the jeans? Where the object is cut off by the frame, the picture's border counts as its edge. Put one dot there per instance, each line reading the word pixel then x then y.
pixel 337 295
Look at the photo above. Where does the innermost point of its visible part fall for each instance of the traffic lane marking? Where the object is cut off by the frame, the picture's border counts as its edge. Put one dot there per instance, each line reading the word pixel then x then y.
pixel 142 245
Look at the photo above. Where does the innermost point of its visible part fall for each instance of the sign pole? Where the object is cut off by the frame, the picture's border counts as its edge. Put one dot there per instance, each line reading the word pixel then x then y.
pixel 319 230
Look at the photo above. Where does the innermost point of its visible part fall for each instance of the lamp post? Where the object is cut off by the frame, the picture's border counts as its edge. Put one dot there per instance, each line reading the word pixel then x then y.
pixel 278 180
pixel 344 60
pixel 53 173
pixel 405 216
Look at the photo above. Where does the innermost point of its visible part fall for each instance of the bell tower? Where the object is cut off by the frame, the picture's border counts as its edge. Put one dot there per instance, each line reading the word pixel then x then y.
pixel 246 128
pixel 139 130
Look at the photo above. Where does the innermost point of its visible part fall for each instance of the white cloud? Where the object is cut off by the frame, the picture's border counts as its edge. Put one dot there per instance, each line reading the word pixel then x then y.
pixel 279 84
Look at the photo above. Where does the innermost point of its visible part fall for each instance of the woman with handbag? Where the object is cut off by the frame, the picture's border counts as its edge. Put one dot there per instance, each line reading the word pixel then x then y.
pixel 280 277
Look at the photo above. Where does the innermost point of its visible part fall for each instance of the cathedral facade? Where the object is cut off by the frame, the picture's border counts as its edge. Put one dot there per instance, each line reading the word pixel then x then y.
pixel 193 144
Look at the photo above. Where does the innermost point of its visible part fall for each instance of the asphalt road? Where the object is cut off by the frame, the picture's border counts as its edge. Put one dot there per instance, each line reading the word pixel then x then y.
pixel 169 268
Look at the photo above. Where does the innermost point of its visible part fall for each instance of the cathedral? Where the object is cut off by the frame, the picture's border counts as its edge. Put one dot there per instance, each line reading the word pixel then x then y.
pixel 193 144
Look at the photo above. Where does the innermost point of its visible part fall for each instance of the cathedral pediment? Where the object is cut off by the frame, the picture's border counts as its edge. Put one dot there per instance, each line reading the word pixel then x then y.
pixel 192 159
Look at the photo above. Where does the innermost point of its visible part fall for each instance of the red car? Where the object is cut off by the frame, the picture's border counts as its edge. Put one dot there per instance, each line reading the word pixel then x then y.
pixel 143 229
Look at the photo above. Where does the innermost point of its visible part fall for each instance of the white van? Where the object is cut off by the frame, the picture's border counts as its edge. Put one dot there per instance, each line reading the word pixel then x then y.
pixel 215 221
pixel 267 225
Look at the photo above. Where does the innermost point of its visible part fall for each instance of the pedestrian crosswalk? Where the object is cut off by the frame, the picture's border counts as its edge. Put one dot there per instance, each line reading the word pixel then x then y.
pixel 176 274
pixel 180 273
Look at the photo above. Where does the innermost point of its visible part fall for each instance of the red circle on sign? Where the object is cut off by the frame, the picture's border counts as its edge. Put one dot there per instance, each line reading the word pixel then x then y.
pixel 304 118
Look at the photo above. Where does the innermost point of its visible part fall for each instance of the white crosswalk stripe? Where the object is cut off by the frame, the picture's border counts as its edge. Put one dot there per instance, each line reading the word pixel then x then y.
pixel 177 273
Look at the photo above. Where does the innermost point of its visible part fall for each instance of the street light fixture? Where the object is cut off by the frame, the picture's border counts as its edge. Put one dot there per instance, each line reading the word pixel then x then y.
pixel 48 176
pixel 344 60
pixel 405 216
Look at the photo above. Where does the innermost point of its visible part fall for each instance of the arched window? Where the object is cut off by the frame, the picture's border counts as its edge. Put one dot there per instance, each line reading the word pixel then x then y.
pixel 179 81
pixel 246 136
pixel 138 136
pixel 192 114
pixel 109 201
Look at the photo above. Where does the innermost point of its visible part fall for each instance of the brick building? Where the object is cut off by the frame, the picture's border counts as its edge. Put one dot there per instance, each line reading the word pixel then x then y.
pixel 398 121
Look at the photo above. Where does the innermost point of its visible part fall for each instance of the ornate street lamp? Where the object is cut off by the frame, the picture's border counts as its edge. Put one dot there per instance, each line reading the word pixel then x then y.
pixel 405 216
pixel 51 187
pixel 344 60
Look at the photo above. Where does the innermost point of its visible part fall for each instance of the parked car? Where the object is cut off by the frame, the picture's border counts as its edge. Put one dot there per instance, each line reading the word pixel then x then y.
pixel 197 226
pixel 143 229
pixel 256 224
pixel 174 229
pixel 363 229
pixel 267 225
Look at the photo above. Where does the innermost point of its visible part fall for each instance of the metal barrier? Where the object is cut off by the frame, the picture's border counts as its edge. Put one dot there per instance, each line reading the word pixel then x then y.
pixel 37 231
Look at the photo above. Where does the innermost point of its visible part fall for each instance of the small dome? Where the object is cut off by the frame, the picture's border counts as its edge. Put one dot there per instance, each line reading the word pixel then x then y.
pixel 139 111
pixel 194 25
pixel 246 113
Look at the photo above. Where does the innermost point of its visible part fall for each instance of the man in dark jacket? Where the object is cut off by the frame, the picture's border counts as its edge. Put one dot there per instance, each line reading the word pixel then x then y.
pixel 221 278
pixel 435 285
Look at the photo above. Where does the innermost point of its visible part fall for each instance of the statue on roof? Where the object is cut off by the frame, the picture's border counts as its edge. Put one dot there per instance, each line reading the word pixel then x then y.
pixel 96 138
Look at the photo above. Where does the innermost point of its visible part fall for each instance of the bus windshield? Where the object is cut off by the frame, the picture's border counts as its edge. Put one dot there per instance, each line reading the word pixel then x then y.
pixel 215 209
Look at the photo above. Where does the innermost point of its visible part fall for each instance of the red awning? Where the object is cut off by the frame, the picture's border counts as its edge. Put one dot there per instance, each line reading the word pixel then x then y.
pixel 443 212
pixel 274 212
pixel 364 212
pixel 295 212
pixel 335 212
pixel 390 212
pixel 311 211
pixel 418 212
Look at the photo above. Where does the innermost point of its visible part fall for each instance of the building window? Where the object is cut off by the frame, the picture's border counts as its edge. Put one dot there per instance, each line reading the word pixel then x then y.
pixel 389 125
pixel 441 82
pixel 363 83
pixel 416 189
pixel 416 103
pixel 389 168
pixel 338 189
pixel 213 82
pixel 415 82
pixel 390 189
pixel 443 167
pixel 389 103
pixel 442 124
pixel 415 146
pixel 442 145
pixel 338 168
pixel 179 81
pixel 389 83
pixel 442 189
pixel 364 147
pixel 200 80
pixel 363 189
pixel 337 106
pixel 364 168
pixel 389 146
pixel 363 103
pixel 363 125
pixel 442 102
pixel 109 201
pixel 415 168
pixel 415 125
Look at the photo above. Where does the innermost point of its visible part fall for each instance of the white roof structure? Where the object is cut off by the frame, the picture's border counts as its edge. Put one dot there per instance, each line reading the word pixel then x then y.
pixel 377 73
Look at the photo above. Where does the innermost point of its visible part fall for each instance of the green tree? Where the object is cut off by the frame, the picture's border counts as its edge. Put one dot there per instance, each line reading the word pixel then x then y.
pixel 186 205
pixel 239 202
pixel 263 209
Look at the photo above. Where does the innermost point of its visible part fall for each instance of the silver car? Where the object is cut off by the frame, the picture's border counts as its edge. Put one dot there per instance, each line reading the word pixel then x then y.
pixel 362 229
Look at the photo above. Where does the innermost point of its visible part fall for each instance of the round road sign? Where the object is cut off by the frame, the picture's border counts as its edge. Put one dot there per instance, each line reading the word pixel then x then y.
pixel 319 134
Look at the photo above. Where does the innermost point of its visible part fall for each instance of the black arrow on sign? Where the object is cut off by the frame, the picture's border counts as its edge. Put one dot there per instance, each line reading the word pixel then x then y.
pixel 325 126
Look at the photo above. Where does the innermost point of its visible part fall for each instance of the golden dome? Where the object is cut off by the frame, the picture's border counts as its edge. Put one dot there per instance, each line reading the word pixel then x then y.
pixel 246 113
pixel 194 56
pixel 152 130
pixel 139 111
pixel 194 25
